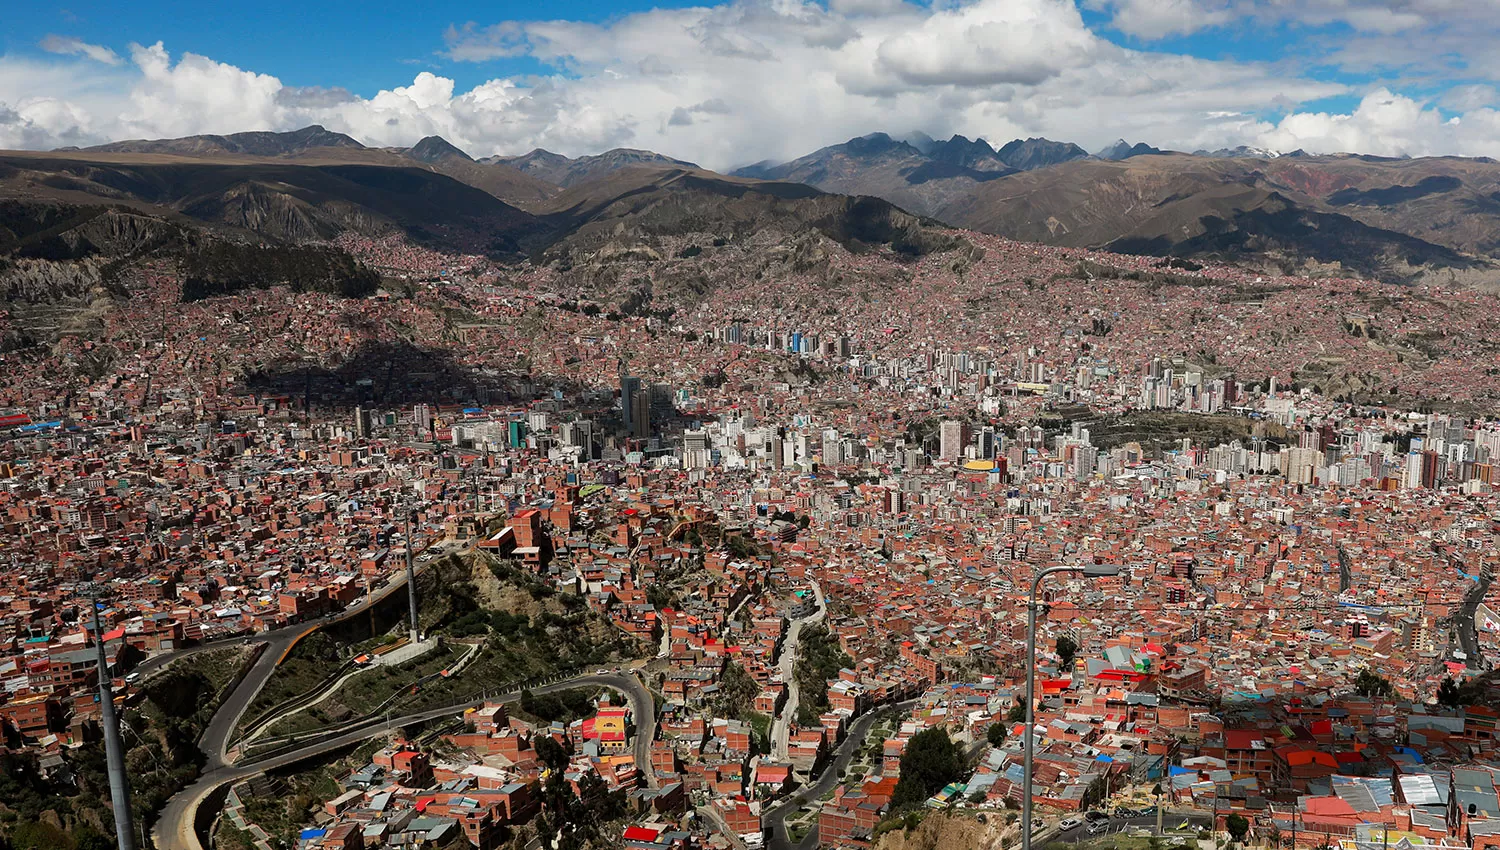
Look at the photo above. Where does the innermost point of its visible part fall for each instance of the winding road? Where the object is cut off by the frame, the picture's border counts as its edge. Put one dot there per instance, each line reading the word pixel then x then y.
pixel 774 821
pixel 780 728
pixel 176 830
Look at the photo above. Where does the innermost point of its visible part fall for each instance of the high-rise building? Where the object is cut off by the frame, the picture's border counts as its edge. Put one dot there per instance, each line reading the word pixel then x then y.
pixel 832 453
pixel 951 439
pixel 361 422
pixel 630 388
pixel 640 415
pixel 422 420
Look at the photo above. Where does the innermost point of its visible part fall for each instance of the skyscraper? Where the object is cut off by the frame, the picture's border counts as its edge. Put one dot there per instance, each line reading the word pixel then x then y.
pixel 630 388
pixel 951 439
pixel 640 413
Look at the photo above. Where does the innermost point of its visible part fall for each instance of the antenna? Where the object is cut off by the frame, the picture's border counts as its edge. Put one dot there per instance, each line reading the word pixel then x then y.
pixel 114 751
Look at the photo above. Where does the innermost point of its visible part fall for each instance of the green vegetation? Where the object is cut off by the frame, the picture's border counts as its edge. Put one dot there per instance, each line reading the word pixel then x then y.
pixel 1158 429
pixel 1372 684
pixel 573 821
pixel 223 268
pixel 737 692
pixel 819 659
pixel 161 757
pixel 930 762
pixel 529 631
pixel 563 706
pixel 1017 713
pixel 367 689
pixel 283 814
pixel 1237 827
pixel 994 734
pixel 1067 648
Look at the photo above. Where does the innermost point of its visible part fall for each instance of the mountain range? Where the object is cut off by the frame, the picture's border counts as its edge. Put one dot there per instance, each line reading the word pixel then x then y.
pixel 254 210
pixel 1396 219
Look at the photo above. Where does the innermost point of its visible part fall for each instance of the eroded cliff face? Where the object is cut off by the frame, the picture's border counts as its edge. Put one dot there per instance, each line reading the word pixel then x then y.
pixel 41 299
pixel 953 832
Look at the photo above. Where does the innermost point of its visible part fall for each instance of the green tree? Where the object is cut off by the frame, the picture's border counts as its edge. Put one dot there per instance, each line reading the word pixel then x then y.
pixel 550 753
pixel 1447 694
pixel 995 734
pixel 1017 713
pixel 1371 684
pixel 1237 827
pixel 929 762
pixel 737 692
pixel 1066 649
pixel 39 835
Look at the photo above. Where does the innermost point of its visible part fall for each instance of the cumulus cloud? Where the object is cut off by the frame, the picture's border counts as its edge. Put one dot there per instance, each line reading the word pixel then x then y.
pixel 749 80
pixel 67 45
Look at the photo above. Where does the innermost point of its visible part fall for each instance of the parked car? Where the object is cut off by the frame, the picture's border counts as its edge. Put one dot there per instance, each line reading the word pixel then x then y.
pixel 1095 817
pixel 1069 823
pixel 1098 826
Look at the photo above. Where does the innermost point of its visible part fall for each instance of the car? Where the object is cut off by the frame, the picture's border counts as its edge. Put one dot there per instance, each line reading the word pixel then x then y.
pixel 601 672
pixel 133 677
pixel 1095 817
pixel 1098 826
pixel 1069 823
pixel 1125 812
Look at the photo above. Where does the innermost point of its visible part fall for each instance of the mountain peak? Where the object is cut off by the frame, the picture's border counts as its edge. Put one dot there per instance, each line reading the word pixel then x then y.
pixel 1036 152
pixel 1122 149
pixel 434 148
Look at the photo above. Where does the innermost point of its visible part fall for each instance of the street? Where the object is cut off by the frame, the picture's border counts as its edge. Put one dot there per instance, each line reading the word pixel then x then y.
pixel 774 821
pixel 175 830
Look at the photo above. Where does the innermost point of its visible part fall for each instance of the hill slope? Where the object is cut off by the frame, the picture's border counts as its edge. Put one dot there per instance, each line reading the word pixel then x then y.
pixel 1394 219
pixel 897 171
pixel 563 171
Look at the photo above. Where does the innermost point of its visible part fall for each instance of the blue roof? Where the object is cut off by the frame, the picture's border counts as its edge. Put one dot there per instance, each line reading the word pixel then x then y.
pixel 307 834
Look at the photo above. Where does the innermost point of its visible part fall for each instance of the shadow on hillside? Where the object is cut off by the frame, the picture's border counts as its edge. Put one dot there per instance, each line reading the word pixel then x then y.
pixel 394 373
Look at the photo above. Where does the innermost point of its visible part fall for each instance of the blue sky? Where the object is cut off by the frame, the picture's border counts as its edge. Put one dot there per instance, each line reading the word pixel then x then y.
pixel 730 82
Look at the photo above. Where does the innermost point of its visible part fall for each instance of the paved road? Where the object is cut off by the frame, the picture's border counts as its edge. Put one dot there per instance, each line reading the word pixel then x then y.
pixel 775 820
pixel 175 829
pixel 1468 630
pixel 781 727
pixel 1169 823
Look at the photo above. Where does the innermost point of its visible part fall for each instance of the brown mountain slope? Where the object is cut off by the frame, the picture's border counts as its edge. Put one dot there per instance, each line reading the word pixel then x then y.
pixel 1395 219
pixel 315 145
pixel 920 180
pixel 563 171
pixel 277 200
pixel 247 144
pixel 640 207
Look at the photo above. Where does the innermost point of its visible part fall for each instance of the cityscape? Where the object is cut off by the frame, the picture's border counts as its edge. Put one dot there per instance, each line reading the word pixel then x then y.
pixel 903 495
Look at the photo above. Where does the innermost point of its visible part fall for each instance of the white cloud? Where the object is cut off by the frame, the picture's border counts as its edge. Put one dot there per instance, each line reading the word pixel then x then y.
pixel 67 45
pixel 1388 124
pixel 1153 19
pixel 756 79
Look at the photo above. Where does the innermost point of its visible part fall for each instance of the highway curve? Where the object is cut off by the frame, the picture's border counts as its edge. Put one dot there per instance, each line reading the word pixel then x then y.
pixel 175 829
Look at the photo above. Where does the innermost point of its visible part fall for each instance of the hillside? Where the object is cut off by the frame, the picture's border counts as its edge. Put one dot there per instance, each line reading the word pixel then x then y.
pixel 1393 219
pixel 285 201
pixel 315 145
pixel 912 178
pixel 249 144
pixel 559 170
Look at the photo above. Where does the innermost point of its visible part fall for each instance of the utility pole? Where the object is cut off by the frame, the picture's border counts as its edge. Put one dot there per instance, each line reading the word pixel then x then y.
pixel 411 579
pixel 114 751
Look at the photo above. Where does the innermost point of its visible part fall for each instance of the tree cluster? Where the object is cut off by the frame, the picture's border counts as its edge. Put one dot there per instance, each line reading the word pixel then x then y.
pixel 930 762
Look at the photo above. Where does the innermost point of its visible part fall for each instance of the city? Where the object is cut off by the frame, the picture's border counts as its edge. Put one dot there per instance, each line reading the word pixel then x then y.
pixel 750 425
pixel 799 541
